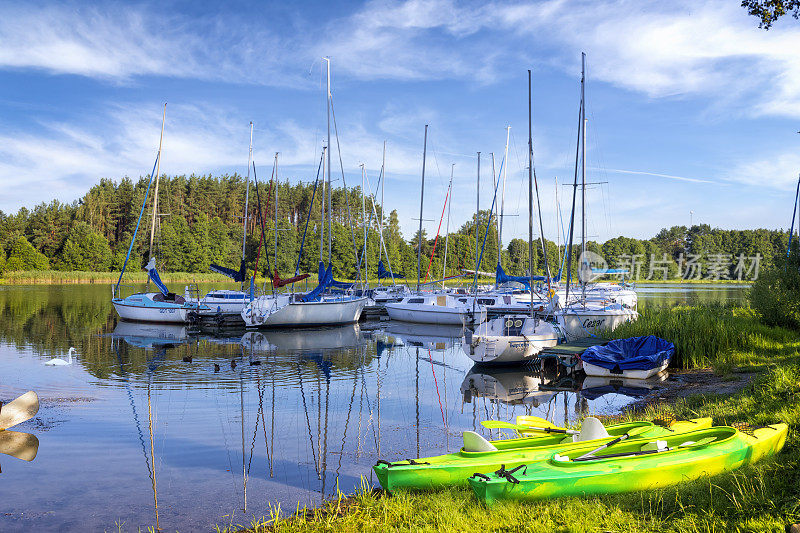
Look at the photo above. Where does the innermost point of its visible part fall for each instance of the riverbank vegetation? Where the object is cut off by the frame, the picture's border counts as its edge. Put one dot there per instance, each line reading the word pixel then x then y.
pixel 756 498
pixel 760 497
pixel 204 226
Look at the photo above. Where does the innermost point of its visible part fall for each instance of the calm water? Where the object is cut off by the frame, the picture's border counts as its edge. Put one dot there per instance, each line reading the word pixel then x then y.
pixel 131 433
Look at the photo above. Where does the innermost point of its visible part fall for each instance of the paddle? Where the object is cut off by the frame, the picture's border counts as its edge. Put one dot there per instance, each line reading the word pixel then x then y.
pixel 521 428
pixel 20 445
pixel 529 420
pixel 701 442
pixel 18 411
pixel 632 433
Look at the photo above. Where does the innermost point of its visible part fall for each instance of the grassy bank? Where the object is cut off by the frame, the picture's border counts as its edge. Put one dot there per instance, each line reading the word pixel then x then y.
pixel 61 277
pixel 761 497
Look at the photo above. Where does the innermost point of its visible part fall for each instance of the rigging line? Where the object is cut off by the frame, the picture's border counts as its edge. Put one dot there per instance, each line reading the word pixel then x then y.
pixel 255 430
pixel 369 405
pixel 347 421
pixel 263 230
pixel 435 242
pixel 436 383
pixel 308 218
pixel 308 420
pixel 344 184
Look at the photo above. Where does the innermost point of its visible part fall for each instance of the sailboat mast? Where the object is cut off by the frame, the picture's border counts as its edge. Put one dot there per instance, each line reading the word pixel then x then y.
pixel 330 201
pixel 541 223
pixel 447 230
pixel 364 224
pixel 530 192
pixel 421 199
pixel 503 199
pixel 322 212
pixel 275 199
pixel 583 178
pixel 247 195
pixel 155 194
pixel 477 229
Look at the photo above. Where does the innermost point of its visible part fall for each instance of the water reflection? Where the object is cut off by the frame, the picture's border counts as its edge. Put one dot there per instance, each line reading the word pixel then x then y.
pixel 184 429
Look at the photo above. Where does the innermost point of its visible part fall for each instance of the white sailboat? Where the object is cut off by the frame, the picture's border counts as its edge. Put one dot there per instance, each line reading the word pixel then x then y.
pixel 586 316
pixel 314 308
pixel 509 339
pixel 163 306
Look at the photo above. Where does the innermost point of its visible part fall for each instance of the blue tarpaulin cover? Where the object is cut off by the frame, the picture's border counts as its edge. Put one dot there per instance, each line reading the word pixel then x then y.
pixel 635 353
pixel 502 277
pixel 383 273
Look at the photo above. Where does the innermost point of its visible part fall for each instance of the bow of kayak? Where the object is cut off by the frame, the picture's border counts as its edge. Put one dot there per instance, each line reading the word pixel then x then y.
pixel 633 465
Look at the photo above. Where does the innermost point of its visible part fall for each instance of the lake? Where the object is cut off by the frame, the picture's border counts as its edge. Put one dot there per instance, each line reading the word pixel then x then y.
pixel 162 425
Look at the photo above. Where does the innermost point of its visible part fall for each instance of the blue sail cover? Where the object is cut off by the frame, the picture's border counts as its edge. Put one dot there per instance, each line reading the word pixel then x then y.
pixel 501 277
pixel 235 275
pixel 383 273
pixel 333 283
pixel 635 353
pixel 325 279
pixel 153 273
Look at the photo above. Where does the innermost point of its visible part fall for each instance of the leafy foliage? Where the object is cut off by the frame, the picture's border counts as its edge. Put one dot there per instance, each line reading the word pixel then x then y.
pixel 23 256
pixel 201 218
pixel 769 11
pixel 776 294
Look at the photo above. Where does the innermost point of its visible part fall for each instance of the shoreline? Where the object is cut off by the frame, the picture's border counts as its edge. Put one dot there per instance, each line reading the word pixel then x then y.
pixel 72 277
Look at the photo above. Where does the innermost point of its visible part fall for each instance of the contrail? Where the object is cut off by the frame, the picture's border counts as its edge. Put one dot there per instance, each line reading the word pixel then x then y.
pixel 668 176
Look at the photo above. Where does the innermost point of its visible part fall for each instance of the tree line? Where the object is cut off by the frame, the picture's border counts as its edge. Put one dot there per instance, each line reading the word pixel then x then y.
pixel 200 221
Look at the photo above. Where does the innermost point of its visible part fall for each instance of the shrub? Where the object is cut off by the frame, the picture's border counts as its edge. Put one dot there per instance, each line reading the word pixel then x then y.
pixel 775 296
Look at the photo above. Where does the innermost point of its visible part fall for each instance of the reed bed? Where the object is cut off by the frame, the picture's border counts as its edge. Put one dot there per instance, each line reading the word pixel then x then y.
pixel 59 277
pixel 711 335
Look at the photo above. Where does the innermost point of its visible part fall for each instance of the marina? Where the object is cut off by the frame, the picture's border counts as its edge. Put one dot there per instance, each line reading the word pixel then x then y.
pixel 330 401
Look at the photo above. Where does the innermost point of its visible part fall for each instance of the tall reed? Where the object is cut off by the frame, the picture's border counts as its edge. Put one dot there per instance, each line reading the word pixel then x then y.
pixel 710 334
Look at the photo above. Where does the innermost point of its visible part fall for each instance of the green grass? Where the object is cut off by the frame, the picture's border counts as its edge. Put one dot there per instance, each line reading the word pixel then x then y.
pixel 56 277
pixel 711 335
pixel 760 497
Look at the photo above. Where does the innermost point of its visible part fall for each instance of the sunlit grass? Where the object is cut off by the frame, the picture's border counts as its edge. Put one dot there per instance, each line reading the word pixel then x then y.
pixel 760 497
pixel 712 335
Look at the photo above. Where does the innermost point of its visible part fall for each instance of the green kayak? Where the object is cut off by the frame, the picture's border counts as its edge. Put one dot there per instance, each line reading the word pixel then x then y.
pixel 632 465
pixel 454 468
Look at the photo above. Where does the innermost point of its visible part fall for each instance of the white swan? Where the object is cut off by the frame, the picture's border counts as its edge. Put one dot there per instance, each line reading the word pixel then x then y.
pixel 60 362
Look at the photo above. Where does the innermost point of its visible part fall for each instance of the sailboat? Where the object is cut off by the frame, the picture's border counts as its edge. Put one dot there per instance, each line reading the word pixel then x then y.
pixel 161 306
pixel 226 302
pixel 314 308
pixel 514 338
pixel 586 317
pixel 433 308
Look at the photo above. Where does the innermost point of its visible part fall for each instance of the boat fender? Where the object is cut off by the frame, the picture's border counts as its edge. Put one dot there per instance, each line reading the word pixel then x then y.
pixel 475 443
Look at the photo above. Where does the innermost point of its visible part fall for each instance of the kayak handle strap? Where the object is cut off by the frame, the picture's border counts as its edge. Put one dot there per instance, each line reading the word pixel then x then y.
pixel 481 476
pixel 509 474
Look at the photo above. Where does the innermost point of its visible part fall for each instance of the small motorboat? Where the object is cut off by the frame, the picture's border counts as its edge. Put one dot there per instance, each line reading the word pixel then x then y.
pixel 632 358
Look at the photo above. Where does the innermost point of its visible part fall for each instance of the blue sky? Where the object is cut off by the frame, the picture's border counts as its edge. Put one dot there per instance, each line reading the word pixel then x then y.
pixel 691 107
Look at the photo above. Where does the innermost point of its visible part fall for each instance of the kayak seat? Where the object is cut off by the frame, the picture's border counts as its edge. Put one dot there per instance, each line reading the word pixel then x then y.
pixel 475 443
pixel 591 429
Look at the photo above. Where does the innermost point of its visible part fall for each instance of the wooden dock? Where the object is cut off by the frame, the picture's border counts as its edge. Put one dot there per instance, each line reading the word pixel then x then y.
pixel 569 350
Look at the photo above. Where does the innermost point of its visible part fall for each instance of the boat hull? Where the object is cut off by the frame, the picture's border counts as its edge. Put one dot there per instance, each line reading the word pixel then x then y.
pixel 165 312
pixel 558 476
pixel 306 314
pixel 599 371
pixel 428 314
pixel 581 323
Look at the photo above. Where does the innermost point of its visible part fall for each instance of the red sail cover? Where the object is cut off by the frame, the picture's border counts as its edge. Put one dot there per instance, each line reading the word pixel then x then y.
pixel 278 282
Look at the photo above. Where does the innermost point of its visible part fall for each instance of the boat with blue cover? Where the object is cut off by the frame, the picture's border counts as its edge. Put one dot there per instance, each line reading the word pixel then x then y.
pixel 633 358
